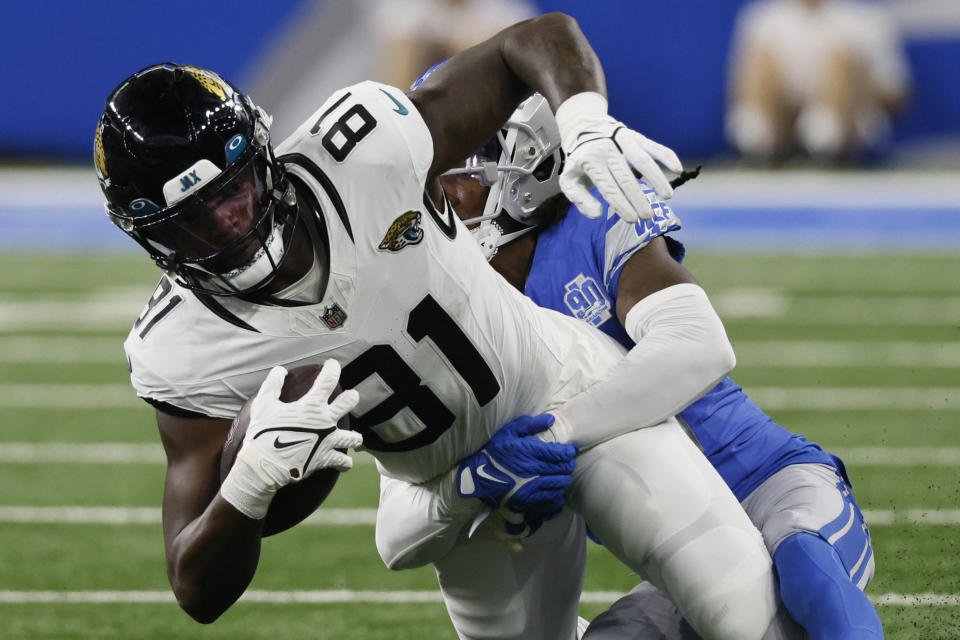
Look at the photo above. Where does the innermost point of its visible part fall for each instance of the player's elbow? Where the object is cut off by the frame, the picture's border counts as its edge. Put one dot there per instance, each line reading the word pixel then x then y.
pixel 714 351
pixel 559 19
pixel 202 602
pixel 723 357
pixel 715 359
pixel 554 26
pixel 202 616
pixel 202 609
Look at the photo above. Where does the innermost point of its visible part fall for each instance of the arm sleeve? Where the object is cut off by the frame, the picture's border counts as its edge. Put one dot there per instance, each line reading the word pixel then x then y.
pixel 420 523
pixel 681 352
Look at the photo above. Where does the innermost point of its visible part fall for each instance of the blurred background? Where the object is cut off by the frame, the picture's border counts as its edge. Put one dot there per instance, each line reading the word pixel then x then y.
pixel 825 226
pixel 819 87
pixel 668 64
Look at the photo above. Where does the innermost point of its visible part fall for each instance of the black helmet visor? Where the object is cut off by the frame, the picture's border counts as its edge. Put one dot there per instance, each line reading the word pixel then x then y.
pixel 215 226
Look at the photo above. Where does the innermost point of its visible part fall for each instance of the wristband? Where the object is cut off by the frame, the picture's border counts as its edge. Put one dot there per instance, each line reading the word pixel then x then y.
pixel 244 489
pixel 580 107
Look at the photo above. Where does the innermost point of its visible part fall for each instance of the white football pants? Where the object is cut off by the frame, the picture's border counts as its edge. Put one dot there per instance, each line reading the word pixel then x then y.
pixel 653 499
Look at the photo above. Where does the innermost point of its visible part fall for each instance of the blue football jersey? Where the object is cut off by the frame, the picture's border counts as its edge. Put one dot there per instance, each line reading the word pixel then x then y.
pixel 576 270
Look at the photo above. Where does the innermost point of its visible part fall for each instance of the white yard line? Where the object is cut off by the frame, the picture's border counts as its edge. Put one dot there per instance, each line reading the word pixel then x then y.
pixel 69 396
pixel 61 350
pixel 151 515
pixel 270 597
pixel 150 453
pixel 912 516
pixel 100 453
pixel 117 310
pixel 779 304
pixel 339 596
pixel 917 599
pixel 364 516
pixel 780 353
pixel 856 398
pixel 80 315
pixel 899 456
pixel 108 396
pixel 816 353
pixel 81 453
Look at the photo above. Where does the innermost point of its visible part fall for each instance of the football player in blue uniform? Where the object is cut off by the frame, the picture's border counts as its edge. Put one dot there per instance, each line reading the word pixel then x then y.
pixel 798 495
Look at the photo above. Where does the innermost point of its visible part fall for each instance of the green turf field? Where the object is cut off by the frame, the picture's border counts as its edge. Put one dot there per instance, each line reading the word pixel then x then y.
pixel 861 354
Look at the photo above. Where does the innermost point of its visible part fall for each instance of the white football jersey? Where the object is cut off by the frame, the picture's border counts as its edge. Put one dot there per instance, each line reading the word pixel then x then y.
pixel 442 350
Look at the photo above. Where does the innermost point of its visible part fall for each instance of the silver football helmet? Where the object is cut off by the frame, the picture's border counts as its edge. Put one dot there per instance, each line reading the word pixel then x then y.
pixel 521 165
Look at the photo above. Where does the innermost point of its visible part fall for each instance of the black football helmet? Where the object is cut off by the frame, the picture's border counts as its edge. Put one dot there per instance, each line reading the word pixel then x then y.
pixel 173 143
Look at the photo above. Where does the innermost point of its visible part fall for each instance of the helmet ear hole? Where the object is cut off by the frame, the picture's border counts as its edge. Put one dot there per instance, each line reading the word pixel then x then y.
pixel 545 169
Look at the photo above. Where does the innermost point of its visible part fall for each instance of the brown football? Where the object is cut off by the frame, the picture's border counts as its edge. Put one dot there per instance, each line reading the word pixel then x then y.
pixel 296 501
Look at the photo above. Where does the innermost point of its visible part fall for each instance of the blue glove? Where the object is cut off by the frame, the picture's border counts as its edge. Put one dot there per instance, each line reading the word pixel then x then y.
pixel 519 471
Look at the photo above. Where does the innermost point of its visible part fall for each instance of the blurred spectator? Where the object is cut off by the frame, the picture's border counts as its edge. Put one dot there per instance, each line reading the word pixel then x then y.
pixel 816 77
pixel 416 35
pixel 330 45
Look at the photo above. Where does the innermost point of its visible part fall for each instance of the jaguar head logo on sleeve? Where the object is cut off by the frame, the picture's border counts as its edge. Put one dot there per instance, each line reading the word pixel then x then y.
pixel 404 231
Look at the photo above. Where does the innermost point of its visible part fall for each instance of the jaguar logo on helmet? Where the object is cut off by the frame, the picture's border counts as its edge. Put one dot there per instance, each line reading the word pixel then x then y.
pixel 209 81
pixel 98 158
pixel 404 231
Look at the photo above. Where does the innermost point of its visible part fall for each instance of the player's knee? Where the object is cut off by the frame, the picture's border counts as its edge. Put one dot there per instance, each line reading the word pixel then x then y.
pixel 742 620
pixel 736 599
pixel 817 590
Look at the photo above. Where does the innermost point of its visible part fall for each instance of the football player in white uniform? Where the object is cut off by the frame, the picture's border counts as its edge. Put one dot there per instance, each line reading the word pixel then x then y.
pixel 796 493
pixel 342 245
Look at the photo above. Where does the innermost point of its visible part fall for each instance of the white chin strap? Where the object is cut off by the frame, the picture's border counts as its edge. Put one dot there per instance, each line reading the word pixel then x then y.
pixel 259 267
pixel 490 236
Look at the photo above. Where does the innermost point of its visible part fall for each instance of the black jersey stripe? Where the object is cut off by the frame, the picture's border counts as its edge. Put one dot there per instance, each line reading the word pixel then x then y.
pixel 317 174
pixel 221 312
pixel 174 410
pixel 174 301
pixel 316 125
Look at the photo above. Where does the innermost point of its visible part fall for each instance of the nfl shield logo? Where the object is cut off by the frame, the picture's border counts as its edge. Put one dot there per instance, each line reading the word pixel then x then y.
pixel 334 316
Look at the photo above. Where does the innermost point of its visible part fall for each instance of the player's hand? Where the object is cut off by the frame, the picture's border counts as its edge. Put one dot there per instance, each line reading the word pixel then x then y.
pixel 601 151
pixel 519 471
pixel 287 441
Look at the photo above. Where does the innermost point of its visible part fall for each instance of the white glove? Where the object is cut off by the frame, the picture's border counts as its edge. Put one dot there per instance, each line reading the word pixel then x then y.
pixel 287 441
pixel 600 152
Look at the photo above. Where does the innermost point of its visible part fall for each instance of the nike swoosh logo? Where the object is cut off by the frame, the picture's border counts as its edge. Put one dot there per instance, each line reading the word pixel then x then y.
pixel 402 110
pixel 584 133
pixel 277 444
pixel 484 474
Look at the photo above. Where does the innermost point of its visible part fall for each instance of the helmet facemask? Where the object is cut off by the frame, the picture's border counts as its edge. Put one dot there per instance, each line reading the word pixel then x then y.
pixel 522 166
pixel 237 257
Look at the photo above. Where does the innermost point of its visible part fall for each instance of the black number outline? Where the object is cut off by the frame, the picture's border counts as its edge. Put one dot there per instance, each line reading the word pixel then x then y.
pixel 162 291
pixel 426 320
pixel 352 137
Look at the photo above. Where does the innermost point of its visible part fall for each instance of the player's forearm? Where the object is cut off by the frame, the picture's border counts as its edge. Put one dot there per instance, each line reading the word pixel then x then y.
pixel 467 99
pixel 419 524
pixel 681 352
pixel 213 559
pixel 551 55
